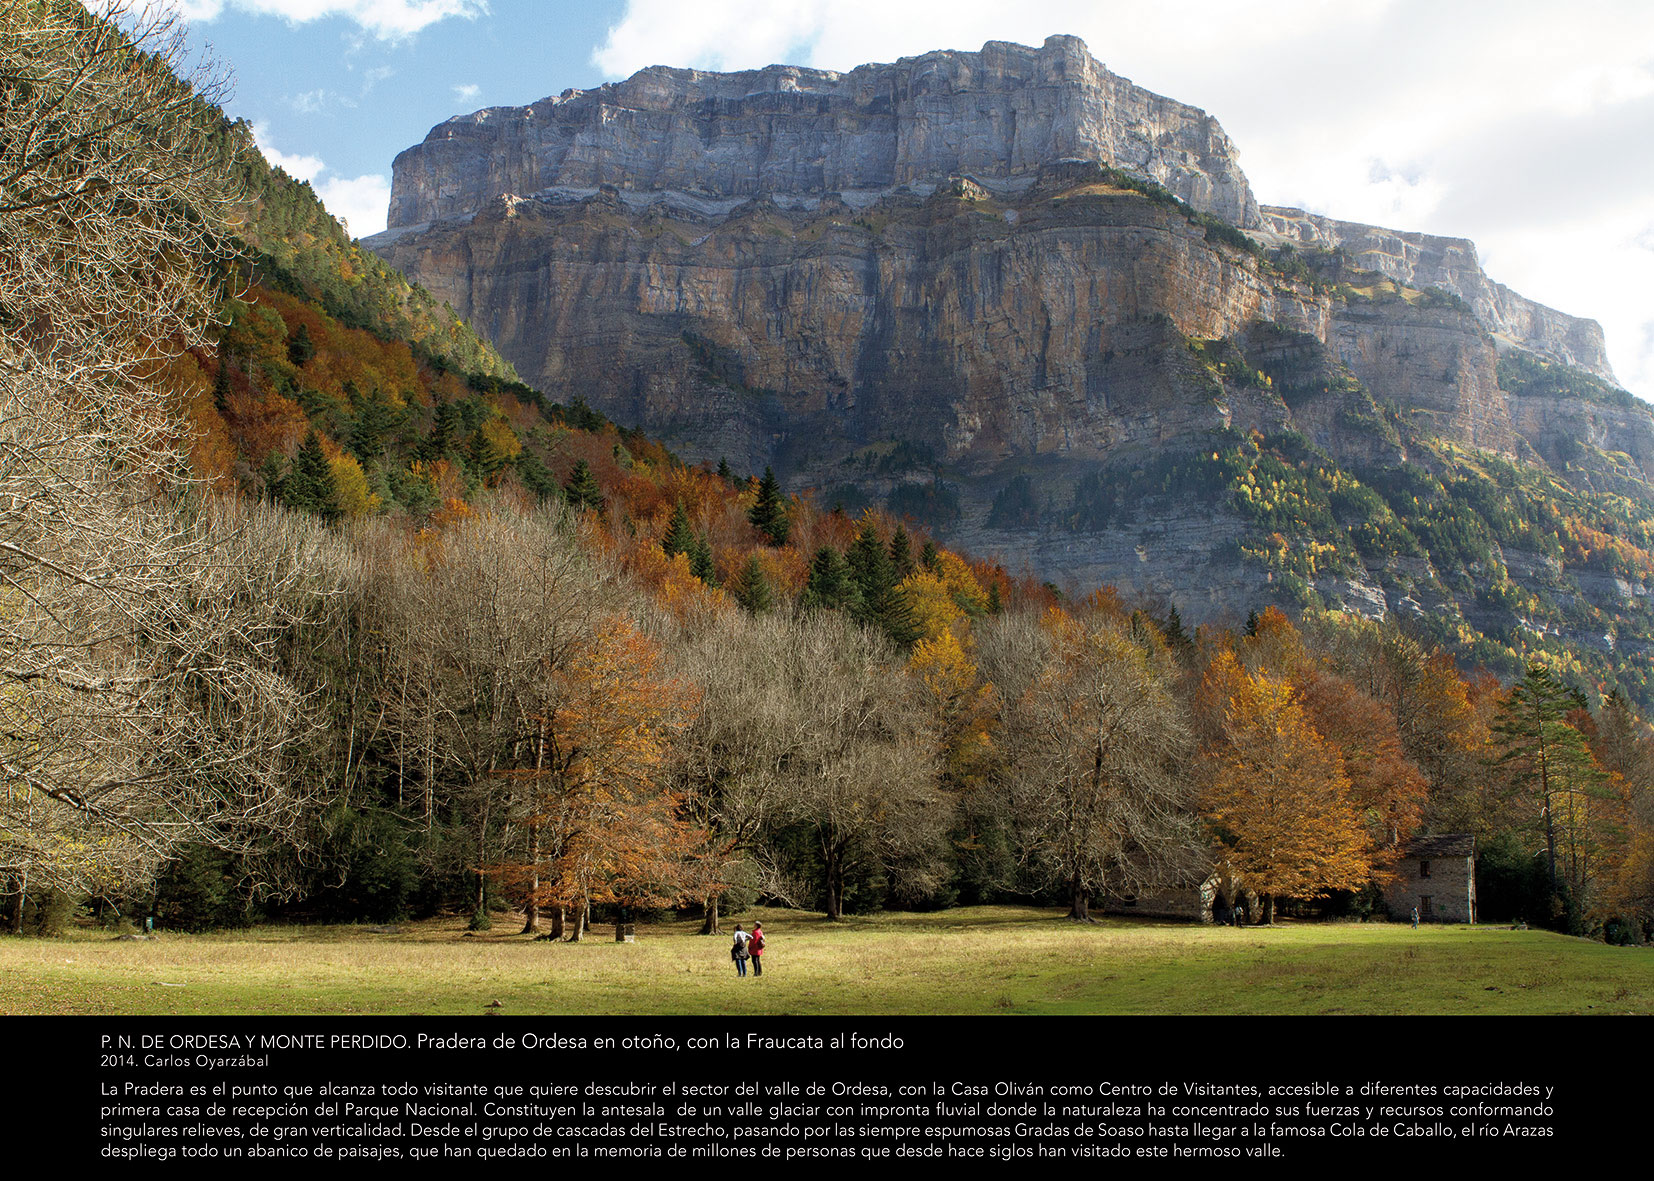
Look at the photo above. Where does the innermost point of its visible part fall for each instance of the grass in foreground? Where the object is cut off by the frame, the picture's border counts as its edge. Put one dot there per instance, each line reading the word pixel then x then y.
pixel 973 960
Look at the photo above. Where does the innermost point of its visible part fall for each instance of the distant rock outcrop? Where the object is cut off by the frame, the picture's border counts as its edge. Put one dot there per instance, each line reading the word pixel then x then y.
pixel 788 131
pixel 1450 264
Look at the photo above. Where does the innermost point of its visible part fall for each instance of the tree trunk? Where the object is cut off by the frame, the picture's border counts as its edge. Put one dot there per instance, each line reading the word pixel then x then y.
pixel 1079 906
pixel 710 925
pixel 835 889
pixel 17 904
pixel 1269 910
pixel 579 923
pixel 556 931
pixel 531 907
pixel 620 924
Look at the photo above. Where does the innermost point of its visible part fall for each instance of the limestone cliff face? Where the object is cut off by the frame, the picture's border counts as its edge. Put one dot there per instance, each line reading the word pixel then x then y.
pixel 1425 260
pixel 981 327
pixel 919 285
pixel 1000 112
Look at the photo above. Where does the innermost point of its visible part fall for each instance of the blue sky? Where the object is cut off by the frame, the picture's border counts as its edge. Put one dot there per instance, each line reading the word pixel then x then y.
pixel 1521 124
pixel 336 96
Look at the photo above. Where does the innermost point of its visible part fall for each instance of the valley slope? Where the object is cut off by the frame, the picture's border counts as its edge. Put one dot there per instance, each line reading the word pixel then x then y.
pixel 1038 308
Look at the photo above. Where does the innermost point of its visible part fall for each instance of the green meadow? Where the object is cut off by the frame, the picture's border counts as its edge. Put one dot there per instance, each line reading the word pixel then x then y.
pixel 974 960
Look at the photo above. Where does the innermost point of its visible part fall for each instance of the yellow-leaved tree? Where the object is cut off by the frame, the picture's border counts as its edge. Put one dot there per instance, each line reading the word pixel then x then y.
pixel 1279 800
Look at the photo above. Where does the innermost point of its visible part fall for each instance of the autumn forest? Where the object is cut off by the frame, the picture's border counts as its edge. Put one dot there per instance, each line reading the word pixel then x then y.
pixel 310 609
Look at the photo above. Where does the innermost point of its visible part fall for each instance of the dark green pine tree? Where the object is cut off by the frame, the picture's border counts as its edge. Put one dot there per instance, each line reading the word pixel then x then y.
pixel 1252 623
pixel 751 589
pixel 830 586
pixel 724 473
pixel 928 555
pixel 700 562
pixel 484 455
pixel 367 430
pixel 769 514
pixel 582 491
pixel 995 603
pixel 439 444
pixel 300 348
pixel 273 474
pixel 901 553
pixel 869 561
pixel 680 538
pixel 1176 638
pixel 536 477
pixel 309 487
pixel 221 382
pixel 882 605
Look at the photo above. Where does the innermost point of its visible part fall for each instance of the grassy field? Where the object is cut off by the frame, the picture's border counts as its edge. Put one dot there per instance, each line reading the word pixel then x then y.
pixel 982 960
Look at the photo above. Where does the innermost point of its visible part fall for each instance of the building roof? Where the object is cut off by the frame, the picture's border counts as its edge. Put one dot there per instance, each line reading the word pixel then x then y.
pixel 1450 844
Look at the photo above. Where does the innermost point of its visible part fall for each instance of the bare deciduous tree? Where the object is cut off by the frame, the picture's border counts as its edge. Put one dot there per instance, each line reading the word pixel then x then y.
pixel 1094 744
pixel 478 625
pixel 143 697
pixel 854 761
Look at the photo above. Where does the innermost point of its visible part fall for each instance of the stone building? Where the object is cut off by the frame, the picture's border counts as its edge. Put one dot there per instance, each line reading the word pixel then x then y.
pixel 1438 876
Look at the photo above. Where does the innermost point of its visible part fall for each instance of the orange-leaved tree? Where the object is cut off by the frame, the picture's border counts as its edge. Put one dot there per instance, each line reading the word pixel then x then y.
pixel 1386 787
pixel 605 829
pixel 1280 801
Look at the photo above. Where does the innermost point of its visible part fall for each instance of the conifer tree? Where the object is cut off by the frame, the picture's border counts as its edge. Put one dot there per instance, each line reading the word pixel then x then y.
pixel 769 514
pixel 582 491
pixel 700 562
pixel 368 429
pixel 881 604
pixel 901 553
pixel 995 605
pixel 869 562
pixel 273 474
pixel 724 473
pixel 752 589
pixel 1176 638
pixel 221 382
pixel 1548 757
pixel 829 586
pixel 680 538
pixel 485 456
pixel 300 348
pixel 310 486
pixel 440 442
pixel 928 555
pixel 536 477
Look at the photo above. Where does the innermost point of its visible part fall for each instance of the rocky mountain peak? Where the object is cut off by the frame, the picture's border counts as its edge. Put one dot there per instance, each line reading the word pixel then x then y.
pixel 1035 307
pixel 1000 112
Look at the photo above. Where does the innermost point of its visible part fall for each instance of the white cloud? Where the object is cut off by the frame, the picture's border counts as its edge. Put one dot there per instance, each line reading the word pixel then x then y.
pixel 297 167
pixel 360 202
pixel 316 102
pixel 467 91
pixel 1516 123
pixel 389 20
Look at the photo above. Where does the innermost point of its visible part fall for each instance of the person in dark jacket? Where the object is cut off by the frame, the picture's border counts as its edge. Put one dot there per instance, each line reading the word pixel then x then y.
pixel 738 950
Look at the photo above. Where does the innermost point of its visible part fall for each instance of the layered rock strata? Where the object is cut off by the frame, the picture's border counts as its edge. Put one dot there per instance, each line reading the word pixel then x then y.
pixel 784 130
pixel 1450 264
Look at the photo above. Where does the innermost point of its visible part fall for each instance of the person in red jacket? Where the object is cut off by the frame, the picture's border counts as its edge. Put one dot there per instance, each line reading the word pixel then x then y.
pixel 756 947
